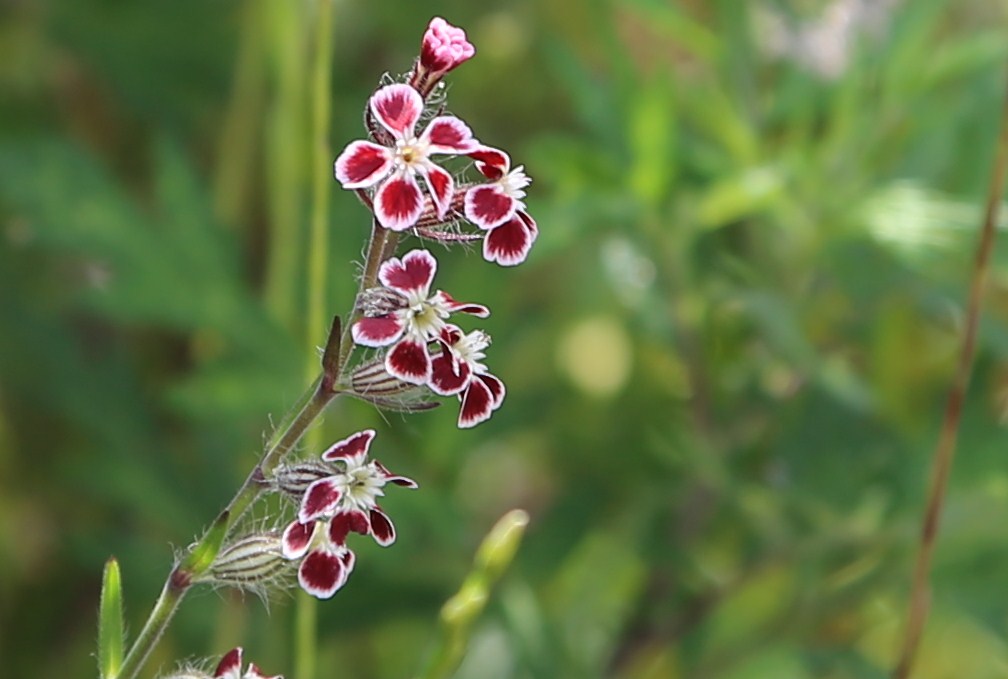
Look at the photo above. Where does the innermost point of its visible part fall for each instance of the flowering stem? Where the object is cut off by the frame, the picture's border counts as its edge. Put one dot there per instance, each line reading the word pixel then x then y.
pixel 945 450
pixel 181 578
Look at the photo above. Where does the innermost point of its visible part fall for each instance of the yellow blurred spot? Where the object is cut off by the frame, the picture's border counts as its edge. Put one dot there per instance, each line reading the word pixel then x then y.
pixel 596 356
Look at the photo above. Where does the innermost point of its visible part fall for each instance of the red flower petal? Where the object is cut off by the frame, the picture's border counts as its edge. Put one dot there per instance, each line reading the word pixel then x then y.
pixel 398 202
pixel 496 388
pixel 509 243
pixel 478 310
pixel 413 274
pixel 321 498
pixel 449 376
pixel 321 574
pixel 377 332
pixel 346 522
pixel 488 206
pixel 348 558
pixel 389 477
pixel 255 673
pixel 398 108
pixel 448 134
pixel 296 539
pixel 450 334
pixel 529 223
pixel 353 446
pixel 441 187
pixel 230 664
pixel 490 162
pixel 362 164
pixel 477 405
pixel 409 361
pixel 382 528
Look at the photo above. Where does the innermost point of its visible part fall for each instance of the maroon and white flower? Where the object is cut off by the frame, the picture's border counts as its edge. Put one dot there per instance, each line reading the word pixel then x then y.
pixel 326 563
pixel 444 48
pixel 498 208
pixel 458 369
pixel 398 201
pixel 333 507
pixel 230 667
pixel 405 315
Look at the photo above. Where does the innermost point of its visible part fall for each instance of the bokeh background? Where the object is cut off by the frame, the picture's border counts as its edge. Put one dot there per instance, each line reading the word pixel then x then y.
pixel 726 356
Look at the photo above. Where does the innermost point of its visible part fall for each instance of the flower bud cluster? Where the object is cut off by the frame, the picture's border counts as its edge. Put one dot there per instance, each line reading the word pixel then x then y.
pixel 421 348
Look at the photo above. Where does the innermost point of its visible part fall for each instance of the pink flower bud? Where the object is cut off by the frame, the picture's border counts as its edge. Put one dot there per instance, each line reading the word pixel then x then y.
pixel 444 47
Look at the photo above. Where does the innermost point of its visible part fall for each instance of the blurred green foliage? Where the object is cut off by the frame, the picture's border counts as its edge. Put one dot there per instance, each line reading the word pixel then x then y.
pixel 726 357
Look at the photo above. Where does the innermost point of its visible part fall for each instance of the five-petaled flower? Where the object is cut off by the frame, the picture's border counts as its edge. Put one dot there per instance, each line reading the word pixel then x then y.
pixel 334 506
pixel 458 369
pixel 230 667
pixel 398 201
pixel 404 314
pixel 497 207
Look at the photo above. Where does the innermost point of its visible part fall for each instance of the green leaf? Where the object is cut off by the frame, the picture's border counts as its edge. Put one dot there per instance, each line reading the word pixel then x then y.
pixel 110 622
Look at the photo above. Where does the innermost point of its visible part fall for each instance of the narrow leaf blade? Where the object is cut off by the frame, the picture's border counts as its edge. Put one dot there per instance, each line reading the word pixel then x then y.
pixel 110 622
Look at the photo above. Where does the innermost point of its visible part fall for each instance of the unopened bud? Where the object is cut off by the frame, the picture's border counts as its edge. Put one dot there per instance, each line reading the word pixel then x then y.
pixel 380 301
pixel 293 480
pixel 250 562
pixel 371 379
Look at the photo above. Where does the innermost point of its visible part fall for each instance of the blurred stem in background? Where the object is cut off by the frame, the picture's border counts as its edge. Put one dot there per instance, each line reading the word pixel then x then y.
pixel 460 613
pixel 920 595
pixel 285 139
pixel 240 133
pixel 306 622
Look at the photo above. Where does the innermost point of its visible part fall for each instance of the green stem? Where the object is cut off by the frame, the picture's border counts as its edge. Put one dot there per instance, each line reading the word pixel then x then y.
pixel 181 577
pixel 381 246
pixel 944 453
pixel 318 239
pixel 241 131
pixel 285 152
pixel 154 628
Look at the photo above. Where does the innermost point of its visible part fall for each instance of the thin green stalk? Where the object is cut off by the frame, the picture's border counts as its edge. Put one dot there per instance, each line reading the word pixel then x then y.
pixel 305 634
pixel 318 240
pixel 460 613
pixel 944 453
pixel 380 247
pixel 200 556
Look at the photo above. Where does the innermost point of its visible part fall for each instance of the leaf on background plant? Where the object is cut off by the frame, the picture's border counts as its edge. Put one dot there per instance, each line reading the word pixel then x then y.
pixel 110 622
pixel 592 594
pixel 745 194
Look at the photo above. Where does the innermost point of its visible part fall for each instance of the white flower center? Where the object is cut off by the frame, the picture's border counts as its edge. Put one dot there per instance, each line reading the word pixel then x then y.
pixel 361 485
pixel 409 154
pixel 425 317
